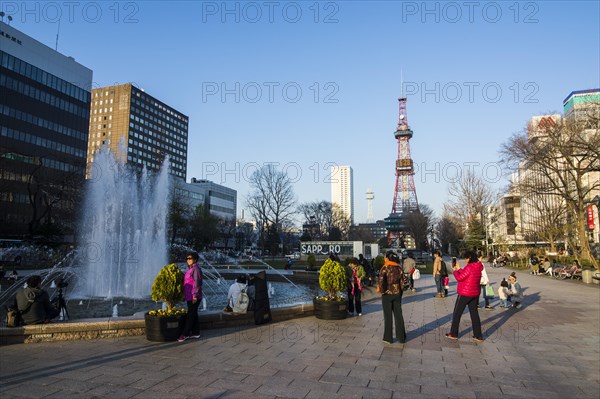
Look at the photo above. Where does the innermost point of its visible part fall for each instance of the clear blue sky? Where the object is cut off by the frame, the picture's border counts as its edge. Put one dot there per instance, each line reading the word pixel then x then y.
pixel 473 75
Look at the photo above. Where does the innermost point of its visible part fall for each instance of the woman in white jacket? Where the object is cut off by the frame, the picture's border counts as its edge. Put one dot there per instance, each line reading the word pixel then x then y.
pixel 234 292
pixel 484 282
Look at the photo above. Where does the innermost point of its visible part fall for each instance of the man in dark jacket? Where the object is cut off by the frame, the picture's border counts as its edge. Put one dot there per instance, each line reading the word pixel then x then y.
pixel 34 303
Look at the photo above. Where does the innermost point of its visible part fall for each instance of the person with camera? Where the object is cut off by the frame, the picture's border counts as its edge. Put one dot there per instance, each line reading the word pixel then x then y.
pixel 34 303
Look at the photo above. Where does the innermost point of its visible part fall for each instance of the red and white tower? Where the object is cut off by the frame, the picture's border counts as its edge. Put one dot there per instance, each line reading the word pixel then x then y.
pixel 405 195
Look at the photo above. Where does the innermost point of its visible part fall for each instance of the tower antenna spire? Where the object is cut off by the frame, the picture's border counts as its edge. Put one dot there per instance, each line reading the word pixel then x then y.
pixel 57 33
pixel 401 85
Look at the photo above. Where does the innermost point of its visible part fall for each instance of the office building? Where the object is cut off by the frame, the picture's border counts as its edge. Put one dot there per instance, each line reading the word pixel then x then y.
pixel 342 190
pixel 220 200
pixel 582 103
pixel 44 119
pixel 139 129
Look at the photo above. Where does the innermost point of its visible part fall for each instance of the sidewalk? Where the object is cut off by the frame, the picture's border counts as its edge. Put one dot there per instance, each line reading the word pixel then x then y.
pixel 549 348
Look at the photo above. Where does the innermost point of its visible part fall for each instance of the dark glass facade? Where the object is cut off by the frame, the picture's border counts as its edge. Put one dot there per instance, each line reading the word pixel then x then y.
pixel 44 124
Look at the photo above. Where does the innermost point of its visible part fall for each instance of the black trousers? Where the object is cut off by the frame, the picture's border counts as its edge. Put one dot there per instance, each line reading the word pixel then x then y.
pixel 462 302
pixel 192 325
pixel 354 300
pixel 392 308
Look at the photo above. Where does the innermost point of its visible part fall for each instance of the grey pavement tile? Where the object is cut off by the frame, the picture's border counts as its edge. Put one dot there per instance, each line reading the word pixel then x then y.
pixel 427 380
pixel 247 386
pixel 148 394
pixel 315 386
pixel 157 375
pixel 80 374
pixel 460 392
pixel 144 384
pixel 116 380
pixel 360 392
pixel 345 380
pixel 261 370
pixel 281 390
pixel 193 391
pixel 29 391
pixel 235 394
pixel 530 393
pixel 70 395
pixel 337 371
pixel 113 391
pixel 395 386
pixel 75 386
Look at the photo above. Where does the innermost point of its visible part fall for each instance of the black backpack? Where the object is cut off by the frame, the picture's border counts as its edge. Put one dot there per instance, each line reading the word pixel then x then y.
pixel 443 270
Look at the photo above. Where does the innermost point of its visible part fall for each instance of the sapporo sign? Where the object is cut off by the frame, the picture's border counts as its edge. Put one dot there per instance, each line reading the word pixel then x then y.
pixel 325 248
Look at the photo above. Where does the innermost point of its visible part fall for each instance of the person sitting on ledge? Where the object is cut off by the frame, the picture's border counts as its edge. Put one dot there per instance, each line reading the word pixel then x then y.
pixel 234 291
pixel 34 303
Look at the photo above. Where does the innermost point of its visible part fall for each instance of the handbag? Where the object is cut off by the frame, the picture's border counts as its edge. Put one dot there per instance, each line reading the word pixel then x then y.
pixel 416 274
pixel 489 292
pixel 13 317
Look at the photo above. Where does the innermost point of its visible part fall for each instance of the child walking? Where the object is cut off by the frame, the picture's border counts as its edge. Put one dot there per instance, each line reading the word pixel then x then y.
pixel 503 294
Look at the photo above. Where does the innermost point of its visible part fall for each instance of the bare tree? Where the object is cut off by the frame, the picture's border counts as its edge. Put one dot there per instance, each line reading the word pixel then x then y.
pixel 180 212
pixel 340 221
pixel 317 213
pixel 544 216
pixel 418 223
pixel 272 200
pixel 331 220
pixel 565 155
pixel 469 196
pixel 448 233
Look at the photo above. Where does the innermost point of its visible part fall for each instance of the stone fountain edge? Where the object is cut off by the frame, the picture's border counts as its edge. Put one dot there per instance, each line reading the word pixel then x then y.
pixel 115 327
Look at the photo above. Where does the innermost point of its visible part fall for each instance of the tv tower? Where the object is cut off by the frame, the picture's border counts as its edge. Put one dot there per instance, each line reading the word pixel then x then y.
pixel 405 195
pixel 370 197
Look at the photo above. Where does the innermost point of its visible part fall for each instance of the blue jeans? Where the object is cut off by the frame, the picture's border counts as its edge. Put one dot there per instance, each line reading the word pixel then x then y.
pixel 439 283
pixel 486 299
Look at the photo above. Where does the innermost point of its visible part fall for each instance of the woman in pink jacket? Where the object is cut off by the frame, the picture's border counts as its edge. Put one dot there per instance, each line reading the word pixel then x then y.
pixel 192 287
pixel 468 295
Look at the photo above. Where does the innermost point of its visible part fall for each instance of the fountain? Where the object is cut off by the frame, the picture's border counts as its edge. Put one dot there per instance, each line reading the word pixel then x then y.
pixel 123 245
pixel 123 229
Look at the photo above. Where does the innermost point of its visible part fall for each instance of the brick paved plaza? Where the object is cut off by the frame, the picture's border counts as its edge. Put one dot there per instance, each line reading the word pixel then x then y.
pixel 549 348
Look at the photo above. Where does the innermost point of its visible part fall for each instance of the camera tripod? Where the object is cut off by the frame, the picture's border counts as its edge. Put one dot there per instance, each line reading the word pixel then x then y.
pixel 61 305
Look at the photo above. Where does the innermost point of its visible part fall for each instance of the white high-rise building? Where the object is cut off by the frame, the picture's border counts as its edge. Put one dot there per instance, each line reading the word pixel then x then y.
pixel 342 189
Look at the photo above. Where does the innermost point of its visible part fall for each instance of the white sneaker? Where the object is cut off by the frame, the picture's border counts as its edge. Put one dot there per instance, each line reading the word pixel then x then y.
pixel 360 314
pixel 195 336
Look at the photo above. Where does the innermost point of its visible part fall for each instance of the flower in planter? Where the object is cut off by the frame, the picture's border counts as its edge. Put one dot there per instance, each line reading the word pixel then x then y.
pixel 167 312
pixel 168 288
pixel 333 280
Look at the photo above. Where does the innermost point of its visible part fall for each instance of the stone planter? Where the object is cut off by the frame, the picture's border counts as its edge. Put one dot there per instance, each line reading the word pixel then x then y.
pixel 163 328
pixel 330 310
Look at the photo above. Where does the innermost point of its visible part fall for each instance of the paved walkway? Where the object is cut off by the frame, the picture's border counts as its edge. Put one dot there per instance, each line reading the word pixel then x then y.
pixel 550 348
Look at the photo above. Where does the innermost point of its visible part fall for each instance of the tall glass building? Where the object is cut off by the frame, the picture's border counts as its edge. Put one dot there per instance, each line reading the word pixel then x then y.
pixel 342 188
pixel 44 118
